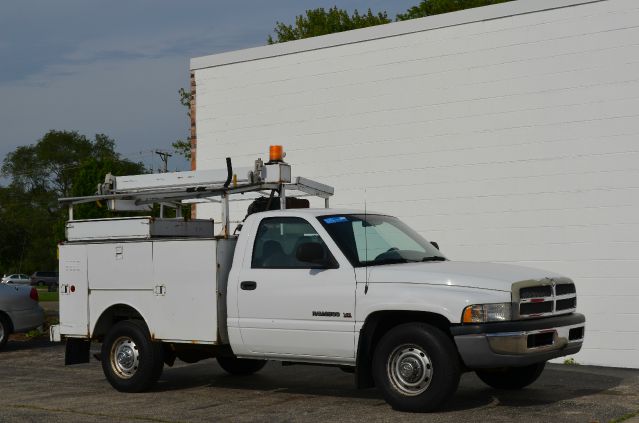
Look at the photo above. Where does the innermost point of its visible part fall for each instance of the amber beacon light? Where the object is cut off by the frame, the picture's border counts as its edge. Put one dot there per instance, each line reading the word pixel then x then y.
pixel 276 153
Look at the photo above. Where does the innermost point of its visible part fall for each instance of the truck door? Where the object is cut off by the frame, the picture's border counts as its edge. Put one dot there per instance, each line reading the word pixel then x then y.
pixel 285 306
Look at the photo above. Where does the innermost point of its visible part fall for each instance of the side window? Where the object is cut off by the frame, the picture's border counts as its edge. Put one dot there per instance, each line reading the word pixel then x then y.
pixel 277 241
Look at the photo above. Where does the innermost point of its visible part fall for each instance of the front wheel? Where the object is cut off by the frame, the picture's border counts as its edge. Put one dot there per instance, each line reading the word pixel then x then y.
pixel 130 360
pixel 416 367
pixel 240 366
pixel 511 377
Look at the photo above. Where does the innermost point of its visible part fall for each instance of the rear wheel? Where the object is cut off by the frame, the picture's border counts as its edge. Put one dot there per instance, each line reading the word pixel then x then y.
pixel 240 366
pixel 416 367
pixel 130 360
pixel 511 377
pixel 5 330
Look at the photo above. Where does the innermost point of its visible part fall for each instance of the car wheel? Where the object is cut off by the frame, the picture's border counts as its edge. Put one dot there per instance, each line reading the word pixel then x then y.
pixel 5 330
pixel 511 377
pixel 416 366
pixel 240 366
pixel 130 360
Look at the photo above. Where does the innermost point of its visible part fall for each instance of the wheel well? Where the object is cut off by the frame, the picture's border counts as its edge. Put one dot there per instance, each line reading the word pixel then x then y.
pixel 379 323
pixel 8 320
pixel 112 315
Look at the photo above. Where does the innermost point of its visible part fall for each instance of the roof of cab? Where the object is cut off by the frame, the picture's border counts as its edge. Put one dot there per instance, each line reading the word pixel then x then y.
pixel 314 212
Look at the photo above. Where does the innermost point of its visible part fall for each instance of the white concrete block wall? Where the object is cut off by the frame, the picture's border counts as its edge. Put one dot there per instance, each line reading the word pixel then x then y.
pixel 506 134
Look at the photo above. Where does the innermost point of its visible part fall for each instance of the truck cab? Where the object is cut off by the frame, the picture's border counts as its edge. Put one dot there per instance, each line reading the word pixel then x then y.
pixel 348 288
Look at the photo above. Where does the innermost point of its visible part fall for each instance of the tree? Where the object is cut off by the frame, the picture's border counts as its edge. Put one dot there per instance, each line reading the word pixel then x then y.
pixel 321 22
pixel 52 162
pixel 60 164
pixel 436 7
pixel 183 147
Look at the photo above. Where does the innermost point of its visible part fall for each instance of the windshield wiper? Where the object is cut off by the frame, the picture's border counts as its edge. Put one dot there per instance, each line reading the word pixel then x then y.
pixel 434 258
pixel 389 261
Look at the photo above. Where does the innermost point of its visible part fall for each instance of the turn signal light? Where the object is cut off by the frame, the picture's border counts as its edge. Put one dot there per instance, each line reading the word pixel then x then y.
pixel 276 153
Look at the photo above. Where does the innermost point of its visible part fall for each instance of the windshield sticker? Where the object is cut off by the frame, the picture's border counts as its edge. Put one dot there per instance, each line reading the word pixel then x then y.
pixel 335 219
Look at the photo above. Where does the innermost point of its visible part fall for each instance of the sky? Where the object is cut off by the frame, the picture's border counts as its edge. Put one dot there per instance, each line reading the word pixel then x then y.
pixel 115 66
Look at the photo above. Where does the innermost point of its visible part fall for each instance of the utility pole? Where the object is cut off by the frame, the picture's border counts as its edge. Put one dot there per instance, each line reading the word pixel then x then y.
pixel 164 156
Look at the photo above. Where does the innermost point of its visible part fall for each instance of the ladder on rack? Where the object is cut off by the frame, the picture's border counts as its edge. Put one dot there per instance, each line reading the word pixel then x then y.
pixel 140 192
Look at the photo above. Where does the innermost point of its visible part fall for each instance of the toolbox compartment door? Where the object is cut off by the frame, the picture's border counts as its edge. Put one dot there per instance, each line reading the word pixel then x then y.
pixel 185 296
pixel 73 286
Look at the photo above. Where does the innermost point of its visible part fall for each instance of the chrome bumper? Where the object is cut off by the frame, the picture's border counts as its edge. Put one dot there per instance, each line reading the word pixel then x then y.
pixel 519 343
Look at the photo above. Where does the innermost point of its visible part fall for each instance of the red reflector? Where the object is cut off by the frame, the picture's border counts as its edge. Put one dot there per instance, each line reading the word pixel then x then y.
pixel 537 300
pixel 72 288
pixel 34 294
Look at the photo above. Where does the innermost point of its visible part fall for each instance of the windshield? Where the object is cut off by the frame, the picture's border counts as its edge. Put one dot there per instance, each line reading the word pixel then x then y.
pixel 371 240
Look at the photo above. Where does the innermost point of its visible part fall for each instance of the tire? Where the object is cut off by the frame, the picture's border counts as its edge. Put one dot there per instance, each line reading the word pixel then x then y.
pixel 432 360
pixel 130 360
pixel 240 366
pixel 5 330
pixel 511 377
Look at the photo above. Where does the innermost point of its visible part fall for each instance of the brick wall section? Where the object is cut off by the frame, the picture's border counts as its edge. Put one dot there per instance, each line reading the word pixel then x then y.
pixel 193 130
pixel 193 137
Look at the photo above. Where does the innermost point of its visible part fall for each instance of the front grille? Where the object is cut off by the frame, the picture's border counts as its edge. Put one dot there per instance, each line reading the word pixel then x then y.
pixel 536 308
pixel 546 299
pixel 565 289
pixel 535 292
pixel 566 304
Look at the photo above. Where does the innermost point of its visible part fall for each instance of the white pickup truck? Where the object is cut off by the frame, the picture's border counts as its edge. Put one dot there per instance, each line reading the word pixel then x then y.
pixel 357 290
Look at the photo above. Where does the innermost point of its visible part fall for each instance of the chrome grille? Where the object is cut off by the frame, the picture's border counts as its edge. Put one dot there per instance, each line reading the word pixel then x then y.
pixel 544 298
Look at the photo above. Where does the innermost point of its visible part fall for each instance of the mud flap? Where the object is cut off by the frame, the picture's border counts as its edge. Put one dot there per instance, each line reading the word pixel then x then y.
pixel 77 351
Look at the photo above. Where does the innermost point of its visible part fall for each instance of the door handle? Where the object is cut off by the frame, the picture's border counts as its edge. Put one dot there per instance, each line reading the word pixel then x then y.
pixel 248 285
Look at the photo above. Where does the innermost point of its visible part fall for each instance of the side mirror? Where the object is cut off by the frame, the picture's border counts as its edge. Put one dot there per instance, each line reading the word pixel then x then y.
pixel 434 244
pixel 313 252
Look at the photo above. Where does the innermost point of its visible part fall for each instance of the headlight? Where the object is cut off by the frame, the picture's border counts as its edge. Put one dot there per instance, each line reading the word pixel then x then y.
pixel 481 313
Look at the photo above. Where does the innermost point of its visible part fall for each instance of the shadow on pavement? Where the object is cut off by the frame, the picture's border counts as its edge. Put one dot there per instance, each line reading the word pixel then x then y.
pixel 28 344
pixel 554 386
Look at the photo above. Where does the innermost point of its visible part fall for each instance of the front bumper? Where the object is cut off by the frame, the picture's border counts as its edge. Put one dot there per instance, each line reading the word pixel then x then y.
pixel 519 343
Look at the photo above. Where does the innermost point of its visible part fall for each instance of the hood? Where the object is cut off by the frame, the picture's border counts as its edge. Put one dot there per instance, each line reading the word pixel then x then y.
pixel 495 276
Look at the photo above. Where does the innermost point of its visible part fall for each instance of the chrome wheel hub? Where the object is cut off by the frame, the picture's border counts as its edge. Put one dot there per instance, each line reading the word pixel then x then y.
pixel 410 370
pixel 124 357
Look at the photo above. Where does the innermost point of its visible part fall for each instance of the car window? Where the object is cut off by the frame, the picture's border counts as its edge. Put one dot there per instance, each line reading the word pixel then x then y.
pixel 277 241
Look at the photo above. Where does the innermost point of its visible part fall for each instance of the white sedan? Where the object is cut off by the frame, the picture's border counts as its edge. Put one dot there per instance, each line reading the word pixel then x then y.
pixel 19 310
pixel 17 278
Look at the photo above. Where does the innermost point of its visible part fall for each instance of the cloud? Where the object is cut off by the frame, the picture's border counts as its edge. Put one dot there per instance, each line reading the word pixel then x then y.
pixel 115 66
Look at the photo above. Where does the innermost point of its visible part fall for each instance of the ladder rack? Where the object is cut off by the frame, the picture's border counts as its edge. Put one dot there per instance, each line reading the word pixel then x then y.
pixel 140 192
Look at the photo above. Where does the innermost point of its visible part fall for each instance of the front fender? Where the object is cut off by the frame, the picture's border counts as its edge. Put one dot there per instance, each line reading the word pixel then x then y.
pixel 444 300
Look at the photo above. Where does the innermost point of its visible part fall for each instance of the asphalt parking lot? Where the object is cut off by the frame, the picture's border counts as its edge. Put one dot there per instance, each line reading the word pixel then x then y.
pixel 36 386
